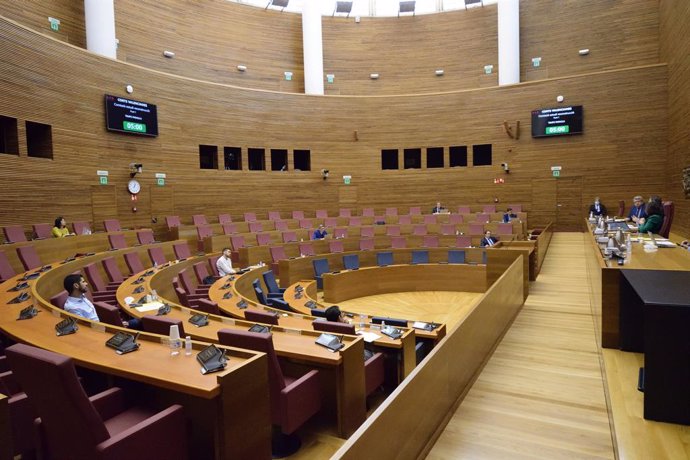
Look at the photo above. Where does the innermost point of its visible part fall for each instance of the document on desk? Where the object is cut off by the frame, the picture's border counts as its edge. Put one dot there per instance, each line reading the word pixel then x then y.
pixel 151 306
pixel 368 337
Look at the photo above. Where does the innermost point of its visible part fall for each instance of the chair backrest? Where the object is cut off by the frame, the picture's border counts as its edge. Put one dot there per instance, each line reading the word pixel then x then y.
pixel 229 228
pixel 258 290
pixel 274 215
pixel 391 211
pixel 351 261
pixel 669 210
pixel 6 270
pixel 330 222
pixel 237 242
pixel 320 266
pixel 145 236
pixel 207 306
pixel 270 281
pixel 368 212
pixel 393 230
pixel 161 324
pixel 366 232
pixel 112 270
pixel 456 257
pixel 305 223
pixel 621 208
pixel 415 211
pixel 289 237
pixel 214 268
pixel 172 221
pixel 430 241
pixel 455 219
pixel 14 234
pixel 333 327
pixel 397 322
pixel 504 229
pixel 447 229
pixel 321 213
pixel 250 217
pixel 263 239
pixel 489 208
pixel 366 244
pixel 81 227
pixel 464 210
pixel 112 225
pixel 186 282
pixel 29 257
pixel 430 219
pixel 204 231
pixel 404 220
pixel 515 207
pixel 281 225
pixel 384 258
pixel 420 257
pixel 259 316
pixel 277 253
pixel 355 221
pixel 201 271
pixel 297 215
pixel 117 241
pixel 224 219
pixel 94 278
pixel 51 383
pixel 398 242
pixel 482 218
pixel 59 299
pixel 107 313
pixel 336 246
pixel 345 212
pixel 463 241
pixel 255 227
pixel 340 232
pixel 419 230
pixel 157 257
pixel 181 251
pixel 306 249
pixel 476 229
pixel 199 219
pixel 42 231
pixel 133 262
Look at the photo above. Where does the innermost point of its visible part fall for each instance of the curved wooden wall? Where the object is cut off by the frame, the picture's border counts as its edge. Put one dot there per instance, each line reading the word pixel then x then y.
pixel 625 122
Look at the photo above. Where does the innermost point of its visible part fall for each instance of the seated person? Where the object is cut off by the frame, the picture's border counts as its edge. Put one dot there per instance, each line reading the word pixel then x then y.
pixel 597 208
pixel 224 264
pixel 320 233
pixel 637 210
pixel 655 217
pixel 60 230
pixel 509 214
pixel 334 314
pixel 77 303
pixel 437 209
pixel 488 240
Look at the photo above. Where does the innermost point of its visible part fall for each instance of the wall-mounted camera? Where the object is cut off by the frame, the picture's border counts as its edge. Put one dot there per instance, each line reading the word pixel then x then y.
pixel 505 167
pixel 324 174
pixel 135 168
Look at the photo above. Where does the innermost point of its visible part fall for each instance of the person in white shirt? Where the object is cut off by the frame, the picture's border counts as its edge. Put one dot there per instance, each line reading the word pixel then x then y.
pixel 224 264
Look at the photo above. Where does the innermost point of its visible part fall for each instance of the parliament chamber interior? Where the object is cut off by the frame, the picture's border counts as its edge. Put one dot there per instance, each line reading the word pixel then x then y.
pixel 189 188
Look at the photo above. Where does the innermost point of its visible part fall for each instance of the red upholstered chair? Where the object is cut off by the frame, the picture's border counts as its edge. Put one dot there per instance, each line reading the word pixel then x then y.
pixel 330 222
pixel 214 267
pixel 274 215
pixel 447 229
pixel 455 219
pixel 419 230
pixel 306 249
pixel 117 241
pixel 368 212
pixel 366 244
pixel 482 218
pixel 6 270
pixel 256 227
pixel 293 400
pixel 277 254
pixel 157 257
pixel 199 219
pixel 280 225
pixel 98 286
pixel 340 232
pixel 229 228
pixel 204 231
pixel 250 217
pixel 393 230
pixel 476 229
pixel 161 325
pixel 345 212
pixel 405 220
pixel 306 223
pixel 201 272
pixel 669 210
pixel 108 313
pixel 366 232
pixel 430 219
pixel 373 367
pixel 504 229
pixel 81 227
pixel 172 221
pixel 237 242
pixel 145 236
pixel 29 257
pixel 398 242
pixel 112 225
pixel 336 246
pixel 59 299
pixel 463 242
pixel 224 219
pixel 42 231
pixel 621 209
pixel 430 241
pixel 261 316
pixel 181 251
pixel 189 284
pixel 415 211
pixel 391 211
pixel 25 439
pixel 515 207
pixel 107 429
pixel 263 239
pixel 133 262
pixel 321 213
pixel 464 210
pixel 355 221
pixel 189 300
pixel 14 234
pixel 289 237
pixel 298 215
pixel 489 208
pixel 208 306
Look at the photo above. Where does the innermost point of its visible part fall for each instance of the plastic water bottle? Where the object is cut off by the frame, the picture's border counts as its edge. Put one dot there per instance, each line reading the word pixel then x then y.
pixel 383 325
pixel 174 340
pixel 188 346
pixel 154 295
pixel 362 319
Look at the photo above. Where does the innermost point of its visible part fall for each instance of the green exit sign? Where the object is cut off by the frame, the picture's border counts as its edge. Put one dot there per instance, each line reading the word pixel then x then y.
pixel 160 181
pixel 563 129
pixel 556 173
pixel 134 127
pixel 54 24
pixel 103 180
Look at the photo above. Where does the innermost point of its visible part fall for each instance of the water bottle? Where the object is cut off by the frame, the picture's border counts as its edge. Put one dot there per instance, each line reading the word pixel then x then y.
pixel 362 319
pixel 188 346
pixel 174 340
pixel 383 325
pixel 154 295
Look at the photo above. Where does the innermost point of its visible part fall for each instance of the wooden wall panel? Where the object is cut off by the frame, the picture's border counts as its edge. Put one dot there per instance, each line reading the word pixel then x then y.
pixel 35 14
pixel 675 49
pixel 625 120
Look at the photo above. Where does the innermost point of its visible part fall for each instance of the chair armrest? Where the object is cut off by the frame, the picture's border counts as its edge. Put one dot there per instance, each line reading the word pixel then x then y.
pixel 8 384
pixel 163 435
pixel 278 303
pixel 109 403
pixel 300 400
pixel 274 295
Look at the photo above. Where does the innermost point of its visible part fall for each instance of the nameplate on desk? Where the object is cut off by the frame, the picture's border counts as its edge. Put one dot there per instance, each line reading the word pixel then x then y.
pixel 151 306
pixel 66 327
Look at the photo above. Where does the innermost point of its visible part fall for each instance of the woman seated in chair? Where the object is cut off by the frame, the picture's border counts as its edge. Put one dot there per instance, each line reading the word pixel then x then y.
pixel 655 217
pixel 60 230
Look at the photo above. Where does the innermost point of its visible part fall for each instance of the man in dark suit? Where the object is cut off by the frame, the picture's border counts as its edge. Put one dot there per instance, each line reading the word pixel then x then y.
pixel 597 208
pixel 488 240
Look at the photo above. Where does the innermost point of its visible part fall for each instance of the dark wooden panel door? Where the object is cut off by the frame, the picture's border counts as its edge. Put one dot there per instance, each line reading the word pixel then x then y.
pixel 543 203
pixel 569 211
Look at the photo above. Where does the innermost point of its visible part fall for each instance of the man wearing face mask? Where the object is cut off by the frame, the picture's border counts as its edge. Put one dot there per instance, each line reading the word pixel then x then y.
pixel 598 208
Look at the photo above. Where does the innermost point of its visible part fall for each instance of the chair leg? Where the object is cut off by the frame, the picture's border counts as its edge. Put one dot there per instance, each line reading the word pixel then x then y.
pixel 284 445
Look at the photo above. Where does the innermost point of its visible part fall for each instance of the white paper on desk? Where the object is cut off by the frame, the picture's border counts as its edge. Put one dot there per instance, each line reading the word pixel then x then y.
pixel 149 306
pixel 665 244
pixel 368 336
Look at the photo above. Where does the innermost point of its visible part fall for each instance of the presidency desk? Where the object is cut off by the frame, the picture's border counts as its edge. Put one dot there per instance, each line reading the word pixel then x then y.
pixel 655 316
pixel 228 411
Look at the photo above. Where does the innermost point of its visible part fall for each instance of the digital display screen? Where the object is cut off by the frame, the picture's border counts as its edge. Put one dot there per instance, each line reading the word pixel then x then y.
pixel 558 121
pixel 130 116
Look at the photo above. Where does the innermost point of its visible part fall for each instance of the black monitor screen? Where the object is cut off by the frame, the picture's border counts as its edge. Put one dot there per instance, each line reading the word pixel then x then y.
pixel 559 121
pixel 129 116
